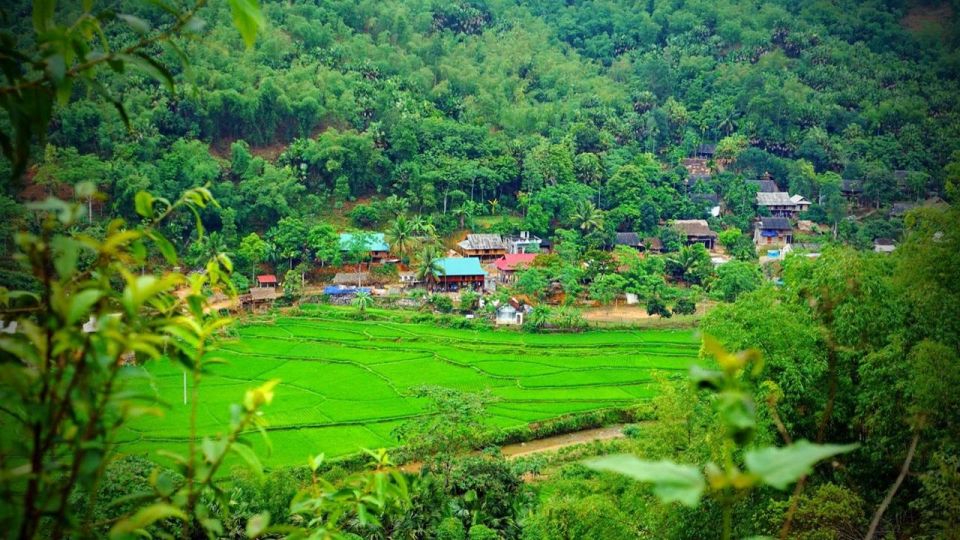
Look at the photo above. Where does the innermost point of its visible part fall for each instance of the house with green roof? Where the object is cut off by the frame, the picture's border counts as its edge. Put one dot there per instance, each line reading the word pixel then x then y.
pixel 460 272
pixel 375 243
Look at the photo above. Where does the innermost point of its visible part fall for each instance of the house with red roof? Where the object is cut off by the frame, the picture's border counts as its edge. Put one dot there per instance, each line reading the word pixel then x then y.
pixel 267 280
pixel 508 264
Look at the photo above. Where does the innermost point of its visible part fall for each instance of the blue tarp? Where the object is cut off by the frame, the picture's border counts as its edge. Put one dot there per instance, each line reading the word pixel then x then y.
pixel 767 233
pixel 335 290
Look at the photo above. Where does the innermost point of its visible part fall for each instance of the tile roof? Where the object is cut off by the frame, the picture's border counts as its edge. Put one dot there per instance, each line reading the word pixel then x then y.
pixel 266 278
pixel 460 266
pixel 776 224
pixel 510 261
pixel 375 241
pixel 483 241
pixel 778 198
pixel 627 239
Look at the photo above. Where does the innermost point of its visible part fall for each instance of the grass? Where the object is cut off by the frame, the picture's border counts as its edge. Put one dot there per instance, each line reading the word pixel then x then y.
pixel 346 384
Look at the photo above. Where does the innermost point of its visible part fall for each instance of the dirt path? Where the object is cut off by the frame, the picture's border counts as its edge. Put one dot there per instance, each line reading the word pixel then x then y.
pixel 548 444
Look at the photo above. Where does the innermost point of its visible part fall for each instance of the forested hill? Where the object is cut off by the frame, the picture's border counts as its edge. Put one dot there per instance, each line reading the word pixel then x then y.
pixel 532 105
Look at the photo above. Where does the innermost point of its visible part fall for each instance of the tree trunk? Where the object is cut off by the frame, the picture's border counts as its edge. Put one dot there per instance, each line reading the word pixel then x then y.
pixel 893 489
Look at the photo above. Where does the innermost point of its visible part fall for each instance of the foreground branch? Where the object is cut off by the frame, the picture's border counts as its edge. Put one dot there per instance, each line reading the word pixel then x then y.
pixel 893 489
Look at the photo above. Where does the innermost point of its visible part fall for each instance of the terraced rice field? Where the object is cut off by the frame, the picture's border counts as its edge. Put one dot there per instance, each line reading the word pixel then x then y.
pixel 346 384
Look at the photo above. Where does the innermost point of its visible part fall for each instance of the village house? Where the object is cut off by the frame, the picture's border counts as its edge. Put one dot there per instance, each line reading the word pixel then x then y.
pixel 773 230
pixel 511 313
pixel 653 245
pixel 851 189
pixel 267 280
pixel 524 243
pixel 508 265
pixel 484 246
pixel 377 245
pixel 629 239
pixel 460 272
pixel 782 204
pixel 706 151
pixel 695 231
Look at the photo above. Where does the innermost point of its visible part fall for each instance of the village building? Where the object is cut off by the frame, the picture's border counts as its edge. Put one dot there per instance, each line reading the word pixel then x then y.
pixel 851 189
pixel 523 243
pixel 782 204
pixel 629 239
pixel 508 265
pixel 511 313
pixel 711 202
pixel 706 151
pixel 267 280
pixel 483 246
pixel 695 231
pixel 773 230
pixel 653 244
pixel 460 272
pixel 377 245
pixel 884 245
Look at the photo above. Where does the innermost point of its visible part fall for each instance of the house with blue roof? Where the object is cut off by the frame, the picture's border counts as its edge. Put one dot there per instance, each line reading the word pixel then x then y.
pixel 375 242
pixel 460 272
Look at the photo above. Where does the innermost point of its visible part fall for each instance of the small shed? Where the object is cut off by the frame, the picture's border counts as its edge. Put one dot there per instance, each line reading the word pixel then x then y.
pixel 884 245
pixel 508 315
pixel 267 280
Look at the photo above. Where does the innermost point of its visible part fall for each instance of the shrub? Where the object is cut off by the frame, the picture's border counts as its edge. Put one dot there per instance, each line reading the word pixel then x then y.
pixel 482 532
pixel 441 303
pixel 685 306
pixel 364 215
pixel 451 529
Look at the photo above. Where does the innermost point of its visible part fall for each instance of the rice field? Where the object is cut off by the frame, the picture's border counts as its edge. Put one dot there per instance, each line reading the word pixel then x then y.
pixel 345 385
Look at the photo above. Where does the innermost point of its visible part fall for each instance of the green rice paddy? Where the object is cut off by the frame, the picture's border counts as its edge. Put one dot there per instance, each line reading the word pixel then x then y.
pixel 345 385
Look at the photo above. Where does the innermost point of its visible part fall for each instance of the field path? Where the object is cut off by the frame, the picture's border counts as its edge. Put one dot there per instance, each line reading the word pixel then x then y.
pixel 547 444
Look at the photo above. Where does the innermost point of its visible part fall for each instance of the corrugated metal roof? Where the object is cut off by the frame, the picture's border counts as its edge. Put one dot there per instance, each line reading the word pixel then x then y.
pixel 483 241
pixel 776 224
pixel 375 241
pixel 461 266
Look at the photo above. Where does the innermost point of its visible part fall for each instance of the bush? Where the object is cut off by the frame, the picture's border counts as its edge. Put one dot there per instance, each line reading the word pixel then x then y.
pixel 451 529
pixel 482 532
pixel 364 215
pixel 441 303
pixel 685 306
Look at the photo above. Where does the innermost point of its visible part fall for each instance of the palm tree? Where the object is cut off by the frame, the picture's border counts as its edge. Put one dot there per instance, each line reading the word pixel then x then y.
pixel 494 206
pixel 362 301
pixel 588 217
pixel 429 267
pixel 400 235
pixel 424 225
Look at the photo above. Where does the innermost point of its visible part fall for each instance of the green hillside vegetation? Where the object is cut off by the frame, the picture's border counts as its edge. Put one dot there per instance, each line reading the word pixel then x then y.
pixel 526 109
pixel 348 385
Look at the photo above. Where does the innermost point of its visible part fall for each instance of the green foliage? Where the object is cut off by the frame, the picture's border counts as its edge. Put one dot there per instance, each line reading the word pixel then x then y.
pixel 735 278
pixel 776 467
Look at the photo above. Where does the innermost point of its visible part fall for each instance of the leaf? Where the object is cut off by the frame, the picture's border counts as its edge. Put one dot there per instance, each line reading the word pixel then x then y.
pixel 257 525
pixel 780 467
pixel 671 481
pixel 138 25
pixel 247 18
pixel 150 67
pixel 146 517
pixel 143 203
pixel 250 457
pixel 81 303
pixel 43 14
pixel 166 248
